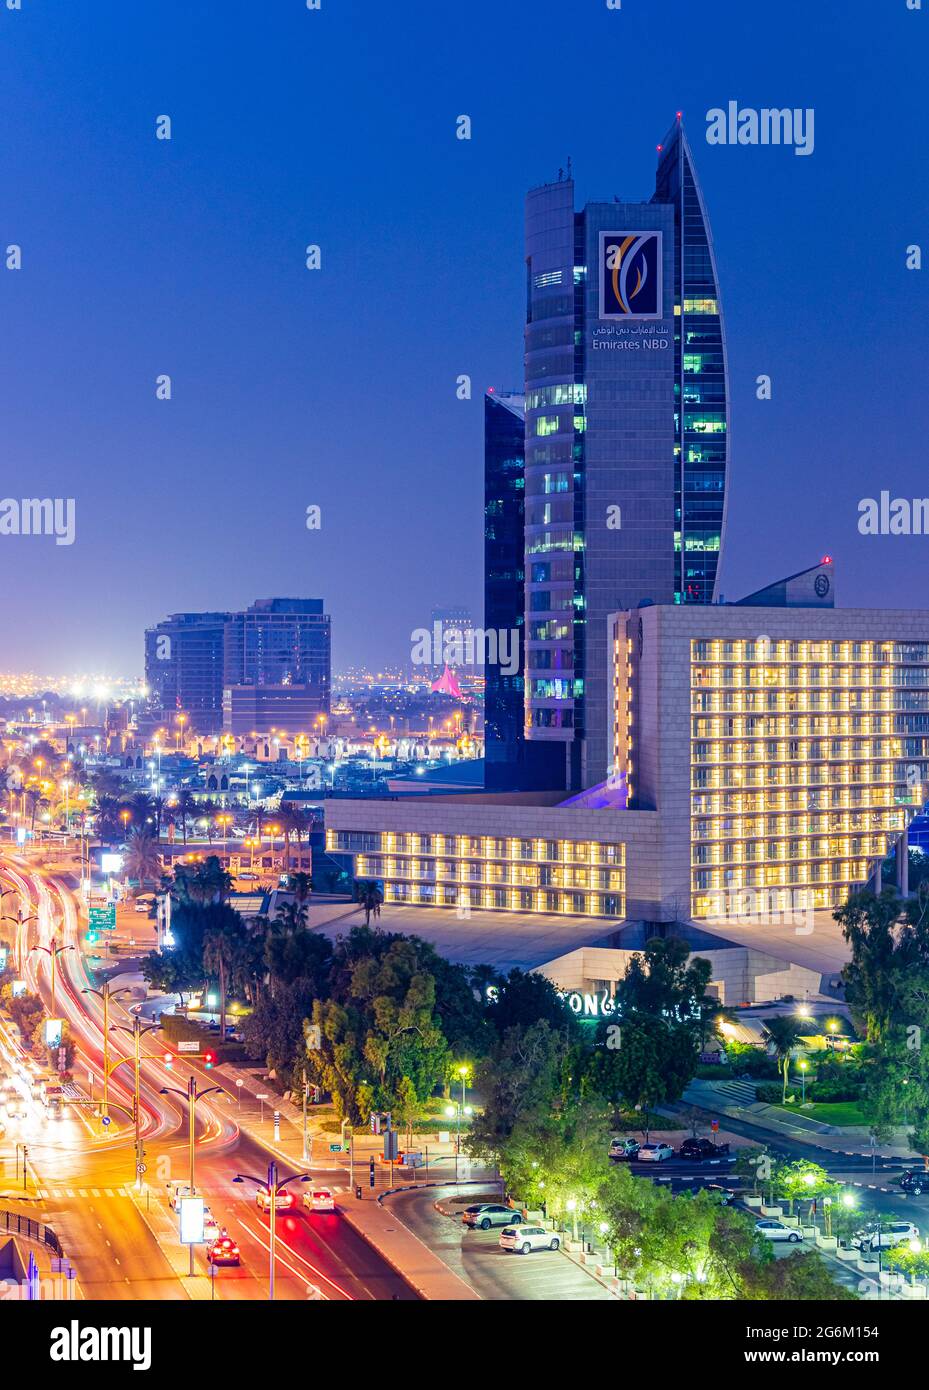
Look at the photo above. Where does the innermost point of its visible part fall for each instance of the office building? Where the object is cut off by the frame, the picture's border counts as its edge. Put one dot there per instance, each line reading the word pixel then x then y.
pixel 625 440
pixel 184 668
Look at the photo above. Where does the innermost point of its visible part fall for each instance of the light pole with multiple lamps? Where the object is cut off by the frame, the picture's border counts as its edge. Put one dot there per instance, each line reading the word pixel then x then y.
pixel 53 952
pixel 136 1032
pixel 274 1190
pixel 191 1095
pixel 106 994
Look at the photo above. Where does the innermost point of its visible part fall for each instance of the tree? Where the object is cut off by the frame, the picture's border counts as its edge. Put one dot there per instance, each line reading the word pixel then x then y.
pixel 223 935
pixel 406 1107
pixel 184 808
pixel 879 951
pixel 300 884
pixel 370 897
pixel 654 1063
pixel 781 1033
pixel 663 982
pixel 803 1181
pixel 143 861
pixel 524 998
pixel 521 1083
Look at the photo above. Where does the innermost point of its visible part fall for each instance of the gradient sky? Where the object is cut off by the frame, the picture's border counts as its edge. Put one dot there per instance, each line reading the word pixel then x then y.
pixel 337 388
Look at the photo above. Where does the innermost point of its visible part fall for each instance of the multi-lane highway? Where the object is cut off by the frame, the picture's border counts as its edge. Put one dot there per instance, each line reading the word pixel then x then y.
pixel 122 1235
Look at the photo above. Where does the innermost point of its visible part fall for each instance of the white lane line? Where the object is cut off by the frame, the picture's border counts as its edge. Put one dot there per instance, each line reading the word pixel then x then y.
pixel 302 1258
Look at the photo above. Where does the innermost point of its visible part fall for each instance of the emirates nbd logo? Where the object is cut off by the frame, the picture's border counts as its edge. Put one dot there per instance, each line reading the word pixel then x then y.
pixel 630 275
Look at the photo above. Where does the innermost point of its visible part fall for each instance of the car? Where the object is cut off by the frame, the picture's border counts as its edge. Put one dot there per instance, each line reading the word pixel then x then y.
pixel 176 1191
pixel 654 1153
pixel 483 1215
pixel 320 1199
pixel 283 1201
pixel 247 877
pixel 140 907
pixel 699 1149
pixel 523 1239
pixel 885 1237
pixel 211 1229
pixel 224 1251
pixel 725 1194
pixel 623 1149
pixel 15 1106
pixel 915 1181
pixel 776 1230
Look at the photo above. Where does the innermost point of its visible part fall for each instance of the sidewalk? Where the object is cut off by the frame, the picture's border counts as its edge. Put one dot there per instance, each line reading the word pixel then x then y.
pixel 423 1270
pixel 799 1126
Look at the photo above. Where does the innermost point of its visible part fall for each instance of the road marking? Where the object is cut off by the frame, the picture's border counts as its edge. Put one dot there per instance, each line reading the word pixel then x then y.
pixel 301 1258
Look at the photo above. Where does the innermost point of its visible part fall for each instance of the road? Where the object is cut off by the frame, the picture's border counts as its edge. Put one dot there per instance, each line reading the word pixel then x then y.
pixel 476 1255
pixel 122 1240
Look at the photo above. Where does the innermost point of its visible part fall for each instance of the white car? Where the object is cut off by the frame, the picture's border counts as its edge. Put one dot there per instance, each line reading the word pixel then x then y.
pixel 176 1191
pixel 525 1238
pixel 654 1153
pixel 894 1233
pixel 320 1199
pixel 776 1230
pixel 15 1106
pixel 211 1229
pixel 284 1201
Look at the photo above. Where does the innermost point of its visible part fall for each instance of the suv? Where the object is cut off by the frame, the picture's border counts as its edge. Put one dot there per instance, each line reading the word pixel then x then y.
pixel 486 1214
pixel 894 1233
pixel 527 1238
pixel 915 1181
pixel 623 1149
pixel 699 1149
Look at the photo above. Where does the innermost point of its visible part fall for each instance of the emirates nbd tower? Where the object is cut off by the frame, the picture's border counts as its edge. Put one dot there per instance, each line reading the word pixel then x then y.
pixel 626 440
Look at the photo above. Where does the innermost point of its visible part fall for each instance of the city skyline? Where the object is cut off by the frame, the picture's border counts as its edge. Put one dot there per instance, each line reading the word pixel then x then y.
pixel 263 422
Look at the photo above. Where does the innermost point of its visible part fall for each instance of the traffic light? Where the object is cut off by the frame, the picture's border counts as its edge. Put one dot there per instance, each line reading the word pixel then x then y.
pixel 168 1060
pixel 371 1174
pixel 208 1059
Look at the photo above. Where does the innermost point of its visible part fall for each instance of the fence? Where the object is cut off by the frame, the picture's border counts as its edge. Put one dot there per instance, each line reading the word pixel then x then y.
pixel 14 1223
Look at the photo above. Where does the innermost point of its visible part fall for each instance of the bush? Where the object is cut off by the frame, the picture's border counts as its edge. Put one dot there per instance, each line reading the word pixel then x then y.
pixel 771 1095
pixel 754 1060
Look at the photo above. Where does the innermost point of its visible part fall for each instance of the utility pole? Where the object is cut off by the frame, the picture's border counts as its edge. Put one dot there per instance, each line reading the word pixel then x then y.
pixel 274 1190
pixel 136 1032
pixel 53 952
pixel 106 994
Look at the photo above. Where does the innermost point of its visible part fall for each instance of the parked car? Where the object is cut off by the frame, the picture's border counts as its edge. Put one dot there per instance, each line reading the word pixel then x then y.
pixel 523 1239
pixel 654 1153
pixel 776 1230
pixel 885 1237
pixel 725 1194
pixel 915 1181
pixel 623 1149
pixel 699 1149
pixel 486 1214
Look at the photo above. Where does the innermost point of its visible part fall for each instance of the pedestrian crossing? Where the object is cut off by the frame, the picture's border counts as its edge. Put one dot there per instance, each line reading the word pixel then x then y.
pixel 78 1194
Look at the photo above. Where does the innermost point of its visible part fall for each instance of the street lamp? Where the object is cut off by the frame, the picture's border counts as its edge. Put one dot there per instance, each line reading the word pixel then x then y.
pixel 191 1095
pixel 53 952
pixel 803 1066
pixel 106 994
pixel 136 1032
pixel 571 1206
pixel 455 1112
pixel 274 1190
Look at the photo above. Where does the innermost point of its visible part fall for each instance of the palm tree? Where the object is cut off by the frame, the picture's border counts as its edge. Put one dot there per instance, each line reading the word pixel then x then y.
pixel 143 862
pixel 291 822
pixel 220 953
pixel 301 884
pixel 781 1035
pixel 370 897
pixel 186 805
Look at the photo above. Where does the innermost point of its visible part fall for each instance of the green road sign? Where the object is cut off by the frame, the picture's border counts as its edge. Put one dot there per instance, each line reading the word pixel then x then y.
pixel 102 918
pixel 335 1148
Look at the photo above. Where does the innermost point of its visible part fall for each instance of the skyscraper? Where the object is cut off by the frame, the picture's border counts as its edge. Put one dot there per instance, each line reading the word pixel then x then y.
pixel 625 444
pixel 184 667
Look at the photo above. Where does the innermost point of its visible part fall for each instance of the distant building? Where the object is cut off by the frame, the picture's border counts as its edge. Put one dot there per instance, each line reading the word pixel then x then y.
pixel 276 654
pixel 454 641
pixel 184 668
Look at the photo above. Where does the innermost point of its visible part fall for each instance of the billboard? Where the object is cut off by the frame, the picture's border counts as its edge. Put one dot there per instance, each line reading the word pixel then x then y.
pixel 630 275
pixel 191 1220
pixel 53 1027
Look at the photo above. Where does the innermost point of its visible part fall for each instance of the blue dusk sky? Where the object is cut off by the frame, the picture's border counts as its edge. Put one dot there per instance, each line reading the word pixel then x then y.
pixel 337 388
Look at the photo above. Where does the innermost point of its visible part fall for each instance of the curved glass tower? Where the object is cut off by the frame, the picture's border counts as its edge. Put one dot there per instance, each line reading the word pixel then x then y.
pixel 626 439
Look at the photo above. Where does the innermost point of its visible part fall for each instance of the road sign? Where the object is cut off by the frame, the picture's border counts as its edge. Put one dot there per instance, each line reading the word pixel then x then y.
pixel 141 1168
pixel 335 1148
pixel 105 1120
pixel 714 1126
pixel 188 1045
pixel 102 918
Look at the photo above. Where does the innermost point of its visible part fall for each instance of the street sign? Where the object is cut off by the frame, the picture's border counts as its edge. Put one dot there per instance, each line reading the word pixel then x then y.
pixel 141 1168
pixel 188 1045
pixel 105 1120
pixel 335 1148
pixel 102 918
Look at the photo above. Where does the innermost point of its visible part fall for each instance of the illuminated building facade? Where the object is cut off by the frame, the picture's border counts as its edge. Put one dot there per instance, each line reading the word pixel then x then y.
pixel 626 443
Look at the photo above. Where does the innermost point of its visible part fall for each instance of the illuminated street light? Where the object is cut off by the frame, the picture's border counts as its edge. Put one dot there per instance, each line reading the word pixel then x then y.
pixel 274 1190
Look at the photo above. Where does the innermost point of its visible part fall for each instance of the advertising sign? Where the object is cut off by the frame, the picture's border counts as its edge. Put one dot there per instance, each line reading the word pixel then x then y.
pixel 111 863
pixel 191 1220
pixel 630 275
pixel 19 988
pixel 3 957
pixel 53 1032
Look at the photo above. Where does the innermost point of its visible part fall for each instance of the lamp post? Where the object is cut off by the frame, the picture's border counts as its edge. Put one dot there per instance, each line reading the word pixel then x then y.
pixel 53 952
pixel 274 1190
pixel 20 921
pixel 191 1095
pixel 455 1112
pixel 803 1066
pixel 106 994
pixel 136 1032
